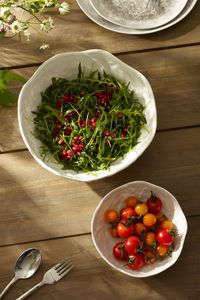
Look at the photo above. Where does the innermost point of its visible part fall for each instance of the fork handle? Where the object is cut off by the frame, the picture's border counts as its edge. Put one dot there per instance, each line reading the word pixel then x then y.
pixel 33 289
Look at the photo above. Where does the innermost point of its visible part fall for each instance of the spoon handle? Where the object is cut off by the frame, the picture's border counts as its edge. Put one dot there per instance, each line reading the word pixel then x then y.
pixel 33 289
pixel 8 286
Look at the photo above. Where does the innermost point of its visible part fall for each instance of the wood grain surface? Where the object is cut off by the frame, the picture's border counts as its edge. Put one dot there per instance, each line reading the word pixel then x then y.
pixel 94 279
pixel 76 32
pixel 44 206
pixel 39 209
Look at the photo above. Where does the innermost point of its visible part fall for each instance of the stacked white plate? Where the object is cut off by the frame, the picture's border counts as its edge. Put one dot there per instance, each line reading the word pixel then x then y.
pixel 135 16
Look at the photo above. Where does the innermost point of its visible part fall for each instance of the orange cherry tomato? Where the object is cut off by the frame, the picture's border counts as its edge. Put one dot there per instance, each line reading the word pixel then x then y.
pixel 140 229
pixel 162 250
pixel 131 201
pixel 149 257
pixel 113 232
pixel 149 220
pixel 167 224
pixel 150 238
pixel 160 217
pixel 111 215
pixel 141 209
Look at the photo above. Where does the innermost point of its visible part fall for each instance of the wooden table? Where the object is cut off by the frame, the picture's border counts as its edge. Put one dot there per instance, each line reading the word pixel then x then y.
pixel 38 209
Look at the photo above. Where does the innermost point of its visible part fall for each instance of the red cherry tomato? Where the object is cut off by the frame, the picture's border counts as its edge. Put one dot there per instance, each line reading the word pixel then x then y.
pixel 165 237
pixel 135 261
pixel 154 204
pixel 128 214
pixel 120 252
pixel 131 244
pixel 125 229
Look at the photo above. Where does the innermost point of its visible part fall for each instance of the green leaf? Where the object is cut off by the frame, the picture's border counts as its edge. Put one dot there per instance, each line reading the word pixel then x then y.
pixel 2 85
pixel 7 98
pixel 9 75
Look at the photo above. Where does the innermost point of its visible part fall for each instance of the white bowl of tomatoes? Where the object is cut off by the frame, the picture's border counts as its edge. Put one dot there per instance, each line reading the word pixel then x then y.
pixel 139 229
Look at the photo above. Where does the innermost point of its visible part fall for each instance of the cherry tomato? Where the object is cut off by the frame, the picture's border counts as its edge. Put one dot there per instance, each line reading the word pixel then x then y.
pixel 165 237
pixel 160 217
pixel 140 229
pixel 154 203
pixel 141 209
pixel 149 220
pixel 161 250
pixel 113 232
pixel 131 244
pixel 120 252
pixel 128 214
pixel 167 224
pixel 150 238
pixel 149 257
pixel 132 201
pixel 125 229
pixel 111 215
pixel 135 261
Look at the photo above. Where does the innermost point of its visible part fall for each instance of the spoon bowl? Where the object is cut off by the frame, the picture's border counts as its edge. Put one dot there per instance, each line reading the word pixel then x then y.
pixel 26 265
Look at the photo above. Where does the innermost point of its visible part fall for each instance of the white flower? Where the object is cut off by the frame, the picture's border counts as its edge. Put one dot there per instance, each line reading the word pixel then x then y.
pixel 47 24
pixel 44 46
pixel 48 3
pixel 16 26
pixel 4 11
pixel 64 8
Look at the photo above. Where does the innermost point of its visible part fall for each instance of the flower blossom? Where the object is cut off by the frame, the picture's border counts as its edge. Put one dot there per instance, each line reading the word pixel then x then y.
pixel 64 8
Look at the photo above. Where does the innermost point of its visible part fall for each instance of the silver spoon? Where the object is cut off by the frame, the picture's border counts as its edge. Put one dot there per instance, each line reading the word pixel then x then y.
pixel 26 265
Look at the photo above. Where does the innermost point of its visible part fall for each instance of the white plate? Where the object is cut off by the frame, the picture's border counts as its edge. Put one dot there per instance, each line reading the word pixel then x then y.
pixel 91 13
pixel 125 13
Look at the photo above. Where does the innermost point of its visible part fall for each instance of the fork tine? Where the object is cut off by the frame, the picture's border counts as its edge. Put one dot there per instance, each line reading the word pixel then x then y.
pixel 64 268
pixel 62 274
pixel 61 263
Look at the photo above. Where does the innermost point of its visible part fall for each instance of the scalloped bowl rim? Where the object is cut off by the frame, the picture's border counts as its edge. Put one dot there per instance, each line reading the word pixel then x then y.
pixel 129 272
pixel 95 175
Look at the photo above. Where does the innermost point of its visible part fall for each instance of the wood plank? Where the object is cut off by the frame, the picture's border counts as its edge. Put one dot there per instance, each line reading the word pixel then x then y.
pixel 68 36
pixel 180 282
pixel 42 206
pixel 177 104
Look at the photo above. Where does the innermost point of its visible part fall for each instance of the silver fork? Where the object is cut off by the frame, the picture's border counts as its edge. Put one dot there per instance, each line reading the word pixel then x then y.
pixel 51 276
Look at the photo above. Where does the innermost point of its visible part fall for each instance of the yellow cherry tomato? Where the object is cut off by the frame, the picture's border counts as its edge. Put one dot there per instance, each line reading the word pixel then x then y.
pixel 149 220
pixel 141 209
pixel 162 250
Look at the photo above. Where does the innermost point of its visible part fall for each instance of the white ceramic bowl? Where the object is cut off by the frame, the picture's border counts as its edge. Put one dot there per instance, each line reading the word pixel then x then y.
pixel 66 65
pixel 103 241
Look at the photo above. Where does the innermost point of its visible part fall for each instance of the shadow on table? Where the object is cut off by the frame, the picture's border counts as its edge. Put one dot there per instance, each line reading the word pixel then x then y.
pixel 16 207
